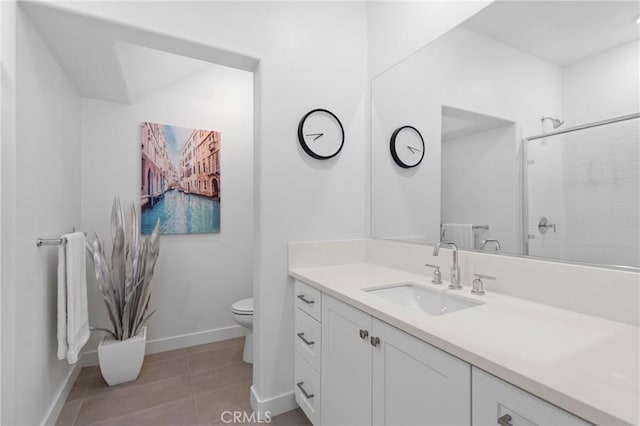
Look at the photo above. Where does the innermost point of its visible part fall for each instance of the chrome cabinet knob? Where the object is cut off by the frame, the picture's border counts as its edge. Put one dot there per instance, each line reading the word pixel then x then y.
pixel 375 341
pixel 364 334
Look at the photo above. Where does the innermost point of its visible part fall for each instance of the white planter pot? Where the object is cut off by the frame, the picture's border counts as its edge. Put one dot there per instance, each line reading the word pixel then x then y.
pixel 121 360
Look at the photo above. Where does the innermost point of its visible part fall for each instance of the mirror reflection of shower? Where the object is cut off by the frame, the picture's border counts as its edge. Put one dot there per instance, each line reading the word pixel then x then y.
pixel 556 122
pixel 581 198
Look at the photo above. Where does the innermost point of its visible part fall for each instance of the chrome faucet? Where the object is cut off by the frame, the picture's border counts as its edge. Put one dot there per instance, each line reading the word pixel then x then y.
pixel 455 269
pixel 484 243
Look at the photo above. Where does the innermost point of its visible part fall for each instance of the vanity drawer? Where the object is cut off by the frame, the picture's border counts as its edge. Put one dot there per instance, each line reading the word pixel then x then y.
pixel 308 299
pixel 307 389
pixel 308 338
pixel 495 401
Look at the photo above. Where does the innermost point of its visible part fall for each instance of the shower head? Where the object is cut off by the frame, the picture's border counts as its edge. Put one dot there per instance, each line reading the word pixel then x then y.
pixel 556 121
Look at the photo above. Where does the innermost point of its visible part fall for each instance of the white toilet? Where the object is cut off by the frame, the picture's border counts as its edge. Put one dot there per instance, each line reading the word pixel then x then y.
pixel 243 314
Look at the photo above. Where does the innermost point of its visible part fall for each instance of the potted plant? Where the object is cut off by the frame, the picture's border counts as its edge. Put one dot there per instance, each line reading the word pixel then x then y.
pixel 124 283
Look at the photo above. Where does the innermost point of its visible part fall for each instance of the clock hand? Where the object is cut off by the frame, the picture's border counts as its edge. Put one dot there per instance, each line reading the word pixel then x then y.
pixel 412 149
pixel 317 135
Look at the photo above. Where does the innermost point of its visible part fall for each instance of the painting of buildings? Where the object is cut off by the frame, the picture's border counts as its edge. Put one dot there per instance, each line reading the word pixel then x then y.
pixel 180 179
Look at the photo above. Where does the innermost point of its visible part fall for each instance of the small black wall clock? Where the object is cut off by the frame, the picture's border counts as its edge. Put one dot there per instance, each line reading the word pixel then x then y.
pixel 321 134
pixel 407 147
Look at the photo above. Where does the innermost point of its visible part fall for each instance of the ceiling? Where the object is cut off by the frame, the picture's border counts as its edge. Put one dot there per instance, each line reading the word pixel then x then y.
pixel 559 32
pixel 121 65
pixel 457 123
pixel 108 62
pixel 146 71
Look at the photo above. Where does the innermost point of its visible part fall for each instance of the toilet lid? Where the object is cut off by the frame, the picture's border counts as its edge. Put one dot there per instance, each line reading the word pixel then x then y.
pixel 244 306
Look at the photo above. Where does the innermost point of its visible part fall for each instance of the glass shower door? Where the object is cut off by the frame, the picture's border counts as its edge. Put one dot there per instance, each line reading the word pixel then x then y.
pixel 583 195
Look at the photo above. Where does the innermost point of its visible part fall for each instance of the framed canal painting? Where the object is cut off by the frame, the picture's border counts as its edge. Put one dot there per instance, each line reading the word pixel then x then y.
pixel 180 179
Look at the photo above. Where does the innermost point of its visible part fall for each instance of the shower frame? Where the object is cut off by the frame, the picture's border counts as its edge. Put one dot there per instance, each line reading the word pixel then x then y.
pixel 585 126
pixel 525 194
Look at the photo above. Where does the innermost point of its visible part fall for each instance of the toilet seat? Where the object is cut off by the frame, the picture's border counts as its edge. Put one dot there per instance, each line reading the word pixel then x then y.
pixel 243 307
pixel 242 311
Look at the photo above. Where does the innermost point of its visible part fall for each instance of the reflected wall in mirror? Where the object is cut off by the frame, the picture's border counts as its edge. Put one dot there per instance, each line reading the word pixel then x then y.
pixel 482 95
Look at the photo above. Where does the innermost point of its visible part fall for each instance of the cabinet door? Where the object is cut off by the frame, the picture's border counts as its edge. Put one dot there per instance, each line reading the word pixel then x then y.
pixel 415 383
pixel 346 365
pixel 494 399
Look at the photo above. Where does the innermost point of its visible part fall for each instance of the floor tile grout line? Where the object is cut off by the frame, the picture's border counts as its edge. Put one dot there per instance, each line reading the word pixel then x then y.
pixel 221 388
pixel 75 417
pixel 237 345
pixel 138 411
pixel 135 411
pixel 193 391
pixel 219 368
pixel 135 384
pixel 81 399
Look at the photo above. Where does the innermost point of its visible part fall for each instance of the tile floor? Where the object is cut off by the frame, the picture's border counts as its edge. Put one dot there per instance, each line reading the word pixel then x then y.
pixel 185 387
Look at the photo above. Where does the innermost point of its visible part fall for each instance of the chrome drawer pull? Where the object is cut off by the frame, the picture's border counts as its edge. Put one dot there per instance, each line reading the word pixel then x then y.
pixel 505 420
pixel 305 300
pixel 308 343
pixel 304 392
pixel 364 334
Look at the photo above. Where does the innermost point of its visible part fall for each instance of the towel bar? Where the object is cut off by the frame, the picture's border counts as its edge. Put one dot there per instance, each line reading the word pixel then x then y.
pixel 50 241
pixel 473 227
pixel 53 241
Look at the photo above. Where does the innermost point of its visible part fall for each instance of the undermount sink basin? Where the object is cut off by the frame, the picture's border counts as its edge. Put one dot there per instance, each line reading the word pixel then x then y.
pixel 422 299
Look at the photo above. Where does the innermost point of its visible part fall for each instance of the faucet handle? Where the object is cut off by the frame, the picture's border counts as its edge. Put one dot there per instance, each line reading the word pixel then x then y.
pixel 437 275
pixel 478 285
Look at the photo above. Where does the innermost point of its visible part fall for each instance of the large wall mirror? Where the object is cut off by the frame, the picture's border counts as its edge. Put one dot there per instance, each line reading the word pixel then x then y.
pixel 530 117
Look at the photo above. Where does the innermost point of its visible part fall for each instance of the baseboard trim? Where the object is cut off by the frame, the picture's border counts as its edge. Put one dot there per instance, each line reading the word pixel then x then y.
pixel 58 402
pixel 178 342
pixel 275 405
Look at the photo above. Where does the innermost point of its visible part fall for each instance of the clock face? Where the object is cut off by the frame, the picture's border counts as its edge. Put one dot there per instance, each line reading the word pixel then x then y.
pixel 407 147
pixel 320 134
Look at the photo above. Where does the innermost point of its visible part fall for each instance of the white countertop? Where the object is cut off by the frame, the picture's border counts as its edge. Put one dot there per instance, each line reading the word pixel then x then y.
pixel 586 365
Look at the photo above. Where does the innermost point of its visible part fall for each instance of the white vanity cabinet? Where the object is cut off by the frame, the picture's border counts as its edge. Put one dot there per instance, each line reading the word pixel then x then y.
pixel 346 364
pixel 308 350
pixel 373 373
pixel 415 383
pixel 353 369
pixel 497 402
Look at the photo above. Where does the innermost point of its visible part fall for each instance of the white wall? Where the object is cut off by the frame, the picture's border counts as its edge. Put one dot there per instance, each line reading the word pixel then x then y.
pixel 475 191
pixel 197 277
pixel 397 29
pixel 602 86
pixel 7 212
pixel 47 204
pixel 303 65
pixel 462 70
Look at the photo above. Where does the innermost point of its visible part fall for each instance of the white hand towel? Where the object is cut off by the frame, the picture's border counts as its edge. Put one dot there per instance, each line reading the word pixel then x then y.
pixel 460 234
pixel 77 307
pixel 62 302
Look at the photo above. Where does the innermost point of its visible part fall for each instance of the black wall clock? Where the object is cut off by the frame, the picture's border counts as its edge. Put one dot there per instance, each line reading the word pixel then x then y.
pixel 321 134
pixel 407 147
